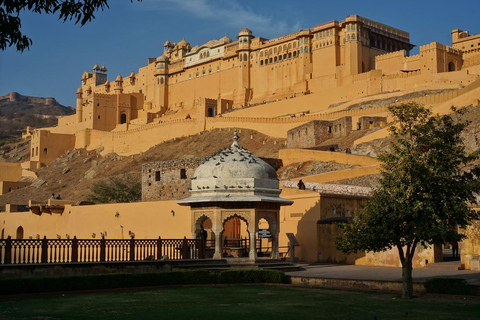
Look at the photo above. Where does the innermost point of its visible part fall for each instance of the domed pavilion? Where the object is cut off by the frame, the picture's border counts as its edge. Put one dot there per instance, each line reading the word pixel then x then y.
pixel 233 183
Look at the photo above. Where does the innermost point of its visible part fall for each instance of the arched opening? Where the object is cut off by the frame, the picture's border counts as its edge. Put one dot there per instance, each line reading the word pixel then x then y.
pixel 235 238
pixel 20 232
pixel 264 239
pixel 207 225
pixel 123 118
pixel 451 66
pixel 45 151
pixel 210 112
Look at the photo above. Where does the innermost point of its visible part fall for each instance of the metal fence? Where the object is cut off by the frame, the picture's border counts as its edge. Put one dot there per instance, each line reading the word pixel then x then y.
pixel 32 251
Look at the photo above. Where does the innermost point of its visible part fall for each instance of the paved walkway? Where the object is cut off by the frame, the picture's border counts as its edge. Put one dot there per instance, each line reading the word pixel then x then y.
pixel 351 272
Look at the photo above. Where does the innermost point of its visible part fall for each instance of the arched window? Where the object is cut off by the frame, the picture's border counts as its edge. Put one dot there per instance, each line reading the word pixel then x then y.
pixel 275 59
pixel 161 80
pixel 294 54
pixel 274 50
pixel 270 60
pixel 123 118
pixel 348 37
pixel 20 232
pixel 33 152
pixel 36 151
pixel 284 47
pixel 45 151
pixel 301 50
pixel 245 57
pixel 290 55
pixel 353 36
pixel 210 112
pixel 261 62
pixel 290 46
pixel 285 56
pixel 306 50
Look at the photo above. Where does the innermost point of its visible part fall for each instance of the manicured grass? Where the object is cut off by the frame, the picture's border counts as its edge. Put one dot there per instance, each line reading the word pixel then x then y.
pixel 238 302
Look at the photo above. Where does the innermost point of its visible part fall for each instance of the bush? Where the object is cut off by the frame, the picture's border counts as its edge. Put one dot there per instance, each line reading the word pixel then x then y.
pixel 252 276
pixel 103 281
pixel 447 285
pixel 129 280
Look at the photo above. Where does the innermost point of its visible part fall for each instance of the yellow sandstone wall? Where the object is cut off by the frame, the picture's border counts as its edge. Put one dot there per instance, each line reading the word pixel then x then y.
pixel 10 171
pixel 290 156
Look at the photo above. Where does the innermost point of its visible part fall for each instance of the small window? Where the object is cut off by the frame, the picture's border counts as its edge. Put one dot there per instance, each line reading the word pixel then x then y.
pixel 329 129
pixel 98 117
pixel 348 212
pixel 333 211
pixel 183 174
pixel 157 175
pixel 45 151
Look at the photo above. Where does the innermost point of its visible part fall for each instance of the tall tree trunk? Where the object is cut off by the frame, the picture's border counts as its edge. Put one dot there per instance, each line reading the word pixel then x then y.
pixel 407 281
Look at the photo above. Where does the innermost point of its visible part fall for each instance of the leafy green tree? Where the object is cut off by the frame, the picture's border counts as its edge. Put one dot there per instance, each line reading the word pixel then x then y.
pixel 80 11
pixel 426 185
pixel 116 190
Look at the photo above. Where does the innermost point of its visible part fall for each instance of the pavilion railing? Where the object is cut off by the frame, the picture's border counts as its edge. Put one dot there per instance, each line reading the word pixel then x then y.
pixel 34 251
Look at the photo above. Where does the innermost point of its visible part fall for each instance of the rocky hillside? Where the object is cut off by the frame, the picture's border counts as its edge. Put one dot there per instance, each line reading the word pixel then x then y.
pixel 17 112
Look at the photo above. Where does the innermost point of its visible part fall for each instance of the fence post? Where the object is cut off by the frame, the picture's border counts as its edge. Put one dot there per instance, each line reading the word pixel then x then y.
pixel 8 250
pixel 159 248
pixel 185 251
pixel 103 247
pixel 74 249
pixel 44 250
pixel 201 248
pixel 132 249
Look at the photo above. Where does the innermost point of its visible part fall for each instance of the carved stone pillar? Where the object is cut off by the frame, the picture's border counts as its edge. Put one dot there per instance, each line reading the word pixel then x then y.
pixel 253 250
pixel 218 245
pixel 275 254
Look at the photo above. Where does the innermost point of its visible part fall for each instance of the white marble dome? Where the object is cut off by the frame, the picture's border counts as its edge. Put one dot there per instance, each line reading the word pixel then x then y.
pixel 234 174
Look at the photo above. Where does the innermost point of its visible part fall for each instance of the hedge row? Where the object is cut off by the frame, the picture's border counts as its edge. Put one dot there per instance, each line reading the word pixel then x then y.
pixel 129 280
pixel 447 285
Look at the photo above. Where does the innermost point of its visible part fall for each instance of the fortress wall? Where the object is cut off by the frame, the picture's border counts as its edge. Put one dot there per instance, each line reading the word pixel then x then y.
pixel 290 156
pixel 390 63
pixel 146 219
pixel 341 174
pixel 140 139
pixel 10 171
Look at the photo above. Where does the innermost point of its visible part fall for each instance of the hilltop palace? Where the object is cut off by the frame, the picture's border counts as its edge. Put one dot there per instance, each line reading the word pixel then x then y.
pixel 305 87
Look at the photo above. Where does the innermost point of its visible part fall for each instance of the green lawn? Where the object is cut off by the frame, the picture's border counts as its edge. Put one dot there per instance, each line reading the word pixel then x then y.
pixel 238 302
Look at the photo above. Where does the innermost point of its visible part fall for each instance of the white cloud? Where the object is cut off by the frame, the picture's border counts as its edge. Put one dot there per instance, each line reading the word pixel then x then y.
pixel 227 12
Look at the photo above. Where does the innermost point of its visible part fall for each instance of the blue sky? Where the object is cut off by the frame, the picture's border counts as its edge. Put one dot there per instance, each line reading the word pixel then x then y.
pixel 125 36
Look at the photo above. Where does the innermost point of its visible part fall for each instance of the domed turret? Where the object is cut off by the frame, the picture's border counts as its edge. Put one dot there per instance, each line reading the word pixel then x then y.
pixel 245 32
pixel 235 174
pixel 119 78
pixel 167 44
pixel 162 58
pixel 183 44
pixel 225 39
pixel 96 67
pixel 103 69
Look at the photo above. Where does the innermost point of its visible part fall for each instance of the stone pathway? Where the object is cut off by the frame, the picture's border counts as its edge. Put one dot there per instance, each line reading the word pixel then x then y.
pixel 352 272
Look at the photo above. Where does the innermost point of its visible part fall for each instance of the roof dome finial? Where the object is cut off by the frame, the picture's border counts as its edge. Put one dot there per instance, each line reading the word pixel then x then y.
pixel 235 135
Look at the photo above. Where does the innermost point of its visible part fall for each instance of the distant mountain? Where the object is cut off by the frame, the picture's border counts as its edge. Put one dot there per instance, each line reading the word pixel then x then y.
pixel 17 112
